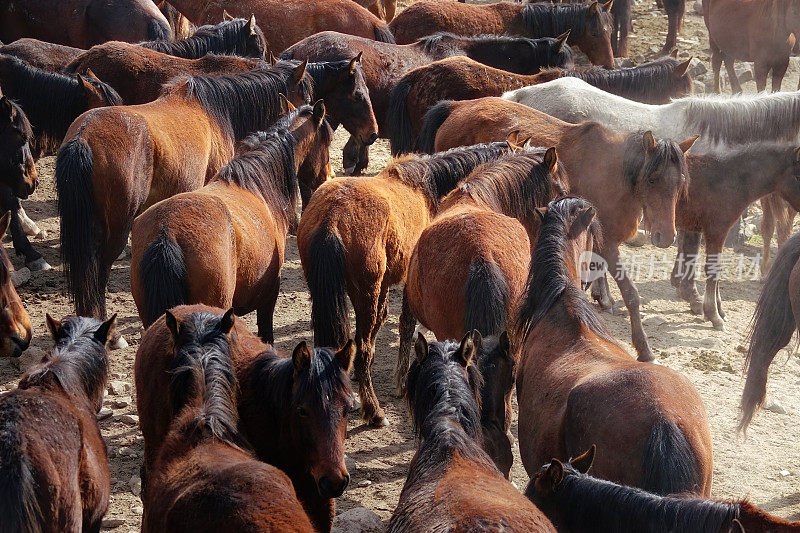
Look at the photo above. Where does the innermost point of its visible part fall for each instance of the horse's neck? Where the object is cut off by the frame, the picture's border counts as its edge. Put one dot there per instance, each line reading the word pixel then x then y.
pixel 743 172
pixel 754 519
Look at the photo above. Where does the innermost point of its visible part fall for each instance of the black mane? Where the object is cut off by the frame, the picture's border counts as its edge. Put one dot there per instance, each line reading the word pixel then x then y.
pixel 549 20
pixel 444 44
pixel 636 164
pixel 231 37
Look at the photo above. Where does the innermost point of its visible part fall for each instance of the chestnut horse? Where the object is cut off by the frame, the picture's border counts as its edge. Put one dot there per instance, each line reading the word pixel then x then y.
pixel 54 464
pixel 355 239
pixel 292 410
pixel 578 503
pixel 149 152
pixel 626 176
pixel 576 386
pixel 286 22
pixel 761 31
pixel 723 184
pixel 15 324
pixel 589 24
pixel 182 250
pixel 452 484
pixel 461 78
pixel 385 63
pixel 84 23
pixel 205 476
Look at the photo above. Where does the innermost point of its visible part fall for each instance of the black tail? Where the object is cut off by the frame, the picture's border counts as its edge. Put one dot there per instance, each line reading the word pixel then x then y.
pixel 79 239
pixel 401 134
pixel 383 34
pixel 668 464
pixel 485 296
pixel 163 277
pixel 434 118
pixel 327 285
pixel 774 324
pixel 19 505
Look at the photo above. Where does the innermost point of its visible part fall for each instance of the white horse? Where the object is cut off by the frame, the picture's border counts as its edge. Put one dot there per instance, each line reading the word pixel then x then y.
pixel 726 120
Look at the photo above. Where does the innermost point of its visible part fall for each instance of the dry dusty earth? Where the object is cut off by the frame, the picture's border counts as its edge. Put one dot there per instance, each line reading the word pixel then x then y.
pixel 765 467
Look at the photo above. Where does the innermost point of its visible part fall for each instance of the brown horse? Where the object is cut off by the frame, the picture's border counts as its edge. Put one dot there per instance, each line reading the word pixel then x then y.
pixel 180 25
pixel 286 22
pixel 452 484
pixel 589 24
pixel 778 218
pixel 626 176
pixel 761 31
pixel 723 184
pixel 385 63
pixel 292 410
pixel 54 465
pixel 776 318
pixel 579 503
pixel 41 54
pixel 576 386
pixel 205 476
pixel 383 9
pixel 149 152
pixel 83 23
pixel 15 324
pixel 182 250
pixel 461 78
pixel 355 239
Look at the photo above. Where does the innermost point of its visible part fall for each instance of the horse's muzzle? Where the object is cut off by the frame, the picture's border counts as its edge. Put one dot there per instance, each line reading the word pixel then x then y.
pixel 332 489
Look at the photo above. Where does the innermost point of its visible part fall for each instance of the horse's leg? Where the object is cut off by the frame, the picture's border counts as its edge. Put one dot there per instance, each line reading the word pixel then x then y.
pixel 678 272
pixel 736 87
pixel 31 228
pixel 676 10
pixel 390 6
pixel 768 209
pixel 784 221
pixel 266 311
pixel 719 305
pixel 601 293
pixel 366 309
pixel 630 296
pixel 760 74
pixel 716 65
pixel 688 288
pixel 778 72
pixel 407 324
pixel 33 259
pixel 710 307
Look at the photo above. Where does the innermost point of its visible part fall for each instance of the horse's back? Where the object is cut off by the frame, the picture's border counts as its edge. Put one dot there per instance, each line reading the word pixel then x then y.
pixel 41 54
pixel 427 17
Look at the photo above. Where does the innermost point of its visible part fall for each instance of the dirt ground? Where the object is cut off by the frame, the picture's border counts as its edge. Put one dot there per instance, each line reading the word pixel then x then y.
pixel 764 467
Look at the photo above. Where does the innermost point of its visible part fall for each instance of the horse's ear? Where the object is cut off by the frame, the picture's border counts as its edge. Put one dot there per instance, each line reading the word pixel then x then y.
pixel 513 140
pixel 53 326
pixel 505 343
pixel 106 330
pixel 470 344
pixel 7 110
pixel 562 40
pixel 300 71
pixel 354 63
pixel 173 324
pixel 345 356
pixel 551 159
pixel 541 211
pixel 685 145
pixel 251 24
pixel 286 106
pixel 607 6
pixel 681 68
pixel 89 75
pixel 227 321
pixel 553 476
pixel 226 16
pixel 301 357
pixel 421 347
pixel 648 141
pixel 5 221
pixel 318 113
pixel 796 160
pixel 583 220
pixel 674 53
pixel 583 462
pixel 593 9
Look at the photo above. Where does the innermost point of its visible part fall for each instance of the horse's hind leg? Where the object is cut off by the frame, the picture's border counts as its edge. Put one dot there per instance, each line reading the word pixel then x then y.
pixel 390 6
pixel 678 272
pixel 266 311
pixel 688 290
pixel 407 324
pixel 716 65
pixel 778 72
pixel 710 304
pixel 367 315
pixel 601 293
pixel 676 10
pixel 33 259
pixel 632 301
pixel 768 209
pixel 736 87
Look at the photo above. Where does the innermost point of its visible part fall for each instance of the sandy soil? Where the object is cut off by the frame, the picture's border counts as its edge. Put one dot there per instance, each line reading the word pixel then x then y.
pixel 755 468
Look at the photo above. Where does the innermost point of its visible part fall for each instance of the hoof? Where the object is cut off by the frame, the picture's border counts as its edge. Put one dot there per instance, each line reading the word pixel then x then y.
pixel 378 422
pixel 119 344
pixel 646 358
pixel 20 277
pixel 696 308
pixel 719 325
pixel 349 170
pixel 39 265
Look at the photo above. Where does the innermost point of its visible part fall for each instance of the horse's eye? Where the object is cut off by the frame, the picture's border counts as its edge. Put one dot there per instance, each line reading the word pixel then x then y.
pixel 302 412
pixel 652 181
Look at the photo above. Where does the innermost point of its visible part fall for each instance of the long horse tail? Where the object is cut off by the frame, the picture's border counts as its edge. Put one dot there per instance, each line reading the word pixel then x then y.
pixel 434 118
pixel 485 296
pixel 401 133
pixel 163 277
pixel 79 239
pixel 668 464
pixel 19 504
pixel 383 34
pixel 773 325
pixel 328 288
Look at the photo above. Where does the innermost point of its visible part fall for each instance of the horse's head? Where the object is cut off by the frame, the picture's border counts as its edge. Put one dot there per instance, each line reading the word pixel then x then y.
pixel 16 160
pixel 657 173
pixel 98 94
pixel 683 80
pixel 498 368
pixel 299 84
pixel 355 157
pixel 15 324
pixel 545 483
pixel 595 41
pixel 321 398
pixel 314 163
pixel 254 42
pixel 558 53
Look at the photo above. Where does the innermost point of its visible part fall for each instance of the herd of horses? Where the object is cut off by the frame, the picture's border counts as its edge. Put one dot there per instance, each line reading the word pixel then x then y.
pixel 200 132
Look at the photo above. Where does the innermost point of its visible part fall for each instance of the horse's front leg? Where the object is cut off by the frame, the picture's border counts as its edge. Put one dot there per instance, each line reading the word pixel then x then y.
pixel 736 87
pixel 710 305
pixel 688 290
pixel 778 72
pixel 407 324
pixel 716 65
pixel 22 245
pixel 266 311
pixel 601 293
pixel 760 74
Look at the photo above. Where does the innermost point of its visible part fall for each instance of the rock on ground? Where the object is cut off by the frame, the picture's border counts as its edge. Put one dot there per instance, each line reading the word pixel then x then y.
pixel 358 520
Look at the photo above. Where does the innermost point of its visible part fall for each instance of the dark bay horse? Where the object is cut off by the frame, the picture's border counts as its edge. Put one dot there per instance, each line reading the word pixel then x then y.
pixel 776 318
pixel 589 24
pixel 385 63
pixel 236 37
pixel 461 78
pixel 452 484
pixel 292 410
pixel 577 387
pixel 579 503
pixel 181 248
pixel 52 457
pixel 723 183
pixel 286 22
pixel 15 324
pixel 84 23
pixel 41 54
pixel 763 32
pixel 626 176
pixel 149 152
pixel 205 477
pixel 355 239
